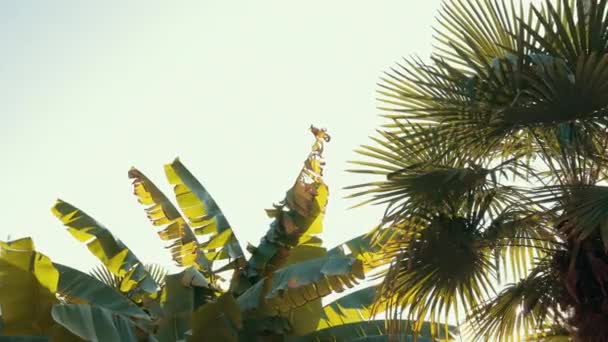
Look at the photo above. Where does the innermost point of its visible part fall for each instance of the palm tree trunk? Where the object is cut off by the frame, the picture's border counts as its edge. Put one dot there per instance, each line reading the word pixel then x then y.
pixel 584 276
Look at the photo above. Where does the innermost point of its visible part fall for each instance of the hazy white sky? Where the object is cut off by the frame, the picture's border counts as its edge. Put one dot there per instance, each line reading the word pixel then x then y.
pixel 89 89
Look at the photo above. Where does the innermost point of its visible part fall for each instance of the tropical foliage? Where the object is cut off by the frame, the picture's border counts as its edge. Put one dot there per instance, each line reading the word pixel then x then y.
pixel 274 295
pixel 492 166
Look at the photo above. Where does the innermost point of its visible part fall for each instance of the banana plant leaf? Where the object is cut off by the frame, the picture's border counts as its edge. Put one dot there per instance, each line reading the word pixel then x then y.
pixel 117 257
pixel 367 247
pixel 219 320
pixel 53 279
pixel 304 319
pixel 372 331
pixel 28 282
pixel 161 212
pixel 354 307
pixel 301 283
pixel 183 293
pixel 23 338
pixel 79 287
pixel 203 213
pixel 25 303
pixel 94 323
pixel 296 220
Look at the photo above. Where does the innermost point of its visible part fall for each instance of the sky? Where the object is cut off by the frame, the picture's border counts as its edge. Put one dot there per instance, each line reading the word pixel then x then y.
pixel 89 89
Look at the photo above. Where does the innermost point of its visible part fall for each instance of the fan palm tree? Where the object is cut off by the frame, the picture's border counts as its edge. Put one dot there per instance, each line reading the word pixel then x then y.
pixel 492 165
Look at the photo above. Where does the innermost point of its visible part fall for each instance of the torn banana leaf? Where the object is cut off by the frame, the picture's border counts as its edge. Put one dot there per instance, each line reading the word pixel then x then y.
pixel 161 212
pixel 304 319
pixel 296 220
pixel 301 283
pixel 204 214
pixel 117 257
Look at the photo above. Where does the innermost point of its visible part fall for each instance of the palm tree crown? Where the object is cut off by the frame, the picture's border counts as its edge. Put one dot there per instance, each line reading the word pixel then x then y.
pixel 491 168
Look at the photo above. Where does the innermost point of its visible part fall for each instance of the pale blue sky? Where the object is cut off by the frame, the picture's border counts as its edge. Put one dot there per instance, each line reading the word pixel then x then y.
pixel 89 89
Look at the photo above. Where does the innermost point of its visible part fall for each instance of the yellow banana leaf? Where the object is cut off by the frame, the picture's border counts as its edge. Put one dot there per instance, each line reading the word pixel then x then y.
pixel 27 289
pixel 30 284
pixel 119 259
pixel 203 213
pixel 161 212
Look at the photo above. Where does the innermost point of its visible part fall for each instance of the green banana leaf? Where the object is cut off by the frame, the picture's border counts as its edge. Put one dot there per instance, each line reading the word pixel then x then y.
pixel 94 323
pixel 28 281
pixel 79 287
pixel 219 320
pixel 372 331
pixel 117 257
pixel 183 293
pixel 49 279
pixel 367 247
pixel 203 213
pixel 354 307
pixel 161 212
pixel 304 319
pixel 301 283
pixel 25 303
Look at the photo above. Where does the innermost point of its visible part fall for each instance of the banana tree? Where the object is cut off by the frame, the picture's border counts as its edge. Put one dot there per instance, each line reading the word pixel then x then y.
pixel 273 295
pixel 493 167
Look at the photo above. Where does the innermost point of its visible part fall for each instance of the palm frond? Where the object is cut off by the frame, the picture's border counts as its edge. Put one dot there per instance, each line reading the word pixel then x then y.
pixel 103 274
pixel 522 309
pixel 441 270
pixel 157 272
pixel 582 209
pixel 517 237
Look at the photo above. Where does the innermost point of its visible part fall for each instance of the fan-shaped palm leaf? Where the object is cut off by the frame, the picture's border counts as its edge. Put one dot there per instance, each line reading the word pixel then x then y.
pixel 103 274
pixel 520 309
